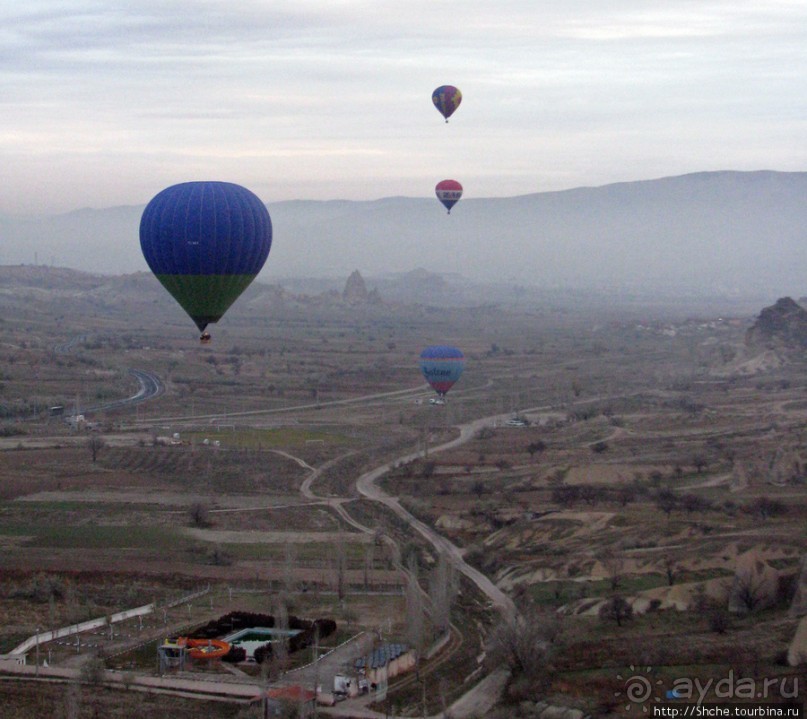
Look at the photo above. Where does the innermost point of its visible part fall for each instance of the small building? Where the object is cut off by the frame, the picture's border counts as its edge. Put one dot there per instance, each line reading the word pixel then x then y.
pixel 171 655
pixel 384 663
pixel 76 422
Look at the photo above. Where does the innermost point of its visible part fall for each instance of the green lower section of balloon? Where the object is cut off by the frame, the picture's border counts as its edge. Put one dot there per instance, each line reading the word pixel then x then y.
pixel 205 297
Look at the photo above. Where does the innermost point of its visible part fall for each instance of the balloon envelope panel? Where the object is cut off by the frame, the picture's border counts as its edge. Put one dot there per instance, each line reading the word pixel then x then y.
pixel 205 242
pixel 441 366
pixel 446 99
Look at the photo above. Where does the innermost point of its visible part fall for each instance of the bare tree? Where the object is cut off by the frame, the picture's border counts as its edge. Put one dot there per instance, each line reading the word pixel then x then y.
pixel 614 564
pixel 565 494
pixel 340 567
pixel 349 615
pixel 394 559
pixel 219 557
pixel 415 619
pixel 671 569
pixel 442 690
pixel 536 447
pixel 626 494
pixel 765 507
pixel 719 620
pixel 748 591
pixel 369 562
pixel 591 493
pixel 442 591
pixel 694 503
pixel 479 488
pixel 280 649
pixel 616 609
pixel 666 501
pixel 92 671
pixel 95 443
pixel 525 644
pixel 289 564
pixel 199 514
pixel 72 701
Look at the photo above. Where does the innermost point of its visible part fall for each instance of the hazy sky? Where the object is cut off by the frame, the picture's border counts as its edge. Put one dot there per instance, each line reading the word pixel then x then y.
pixel 105 103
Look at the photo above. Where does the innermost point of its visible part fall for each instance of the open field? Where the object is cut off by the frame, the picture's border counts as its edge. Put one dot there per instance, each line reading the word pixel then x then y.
pixel 658 454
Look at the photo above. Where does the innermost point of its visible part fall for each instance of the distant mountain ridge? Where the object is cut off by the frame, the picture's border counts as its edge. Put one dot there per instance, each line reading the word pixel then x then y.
pixel 729 232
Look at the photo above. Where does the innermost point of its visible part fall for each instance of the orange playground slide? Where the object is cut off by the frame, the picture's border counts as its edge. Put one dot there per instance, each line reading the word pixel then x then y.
pixel 205 648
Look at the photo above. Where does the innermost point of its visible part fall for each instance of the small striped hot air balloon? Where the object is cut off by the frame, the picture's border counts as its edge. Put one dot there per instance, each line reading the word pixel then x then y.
pixel 446 99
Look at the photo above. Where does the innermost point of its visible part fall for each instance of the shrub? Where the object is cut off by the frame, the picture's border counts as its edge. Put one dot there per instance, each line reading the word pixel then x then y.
pixel 262 653
pixel 719 620
pixel 616 609
pixel 235 655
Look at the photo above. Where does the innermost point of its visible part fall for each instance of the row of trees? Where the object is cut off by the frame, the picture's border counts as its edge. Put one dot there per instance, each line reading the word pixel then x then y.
pixel 665 499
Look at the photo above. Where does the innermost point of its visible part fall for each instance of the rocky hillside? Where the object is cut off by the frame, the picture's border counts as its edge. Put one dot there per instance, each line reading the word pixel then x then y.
pixel 781 326
pixel 355 292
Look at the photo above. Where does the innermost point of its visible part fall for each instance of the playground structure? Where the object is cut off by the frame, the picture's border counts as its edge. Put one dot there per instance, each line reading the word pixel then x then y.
pixel 174 652
pixel 204 648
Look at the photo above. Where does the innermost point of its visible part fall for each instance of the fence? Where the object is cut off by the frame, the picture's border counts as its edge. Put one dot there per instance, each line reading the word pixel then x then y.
pixel 73 629
pixel 90 624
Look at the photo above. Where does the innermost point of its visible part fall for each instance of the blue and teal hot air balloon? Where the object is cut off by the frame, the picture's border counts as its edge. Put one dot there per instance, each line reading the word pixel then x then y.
pixel 441 366
pixel 205 242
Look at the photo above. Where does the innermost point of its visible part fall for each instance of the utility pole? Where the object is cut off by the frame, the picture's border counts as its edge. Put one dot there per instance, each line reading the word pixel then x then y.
pixel 316 667
pixel 423 680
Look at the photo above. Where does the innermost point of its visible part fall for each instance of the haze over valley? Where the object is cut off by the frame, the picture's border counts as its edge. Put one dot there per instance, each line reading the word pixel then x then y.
pixel 729 233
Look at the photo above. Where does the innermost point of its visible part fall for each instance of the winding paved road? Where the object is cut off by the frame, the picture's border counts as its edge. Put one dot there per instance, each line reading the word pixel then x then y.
pixel 151 386
pixel 366 484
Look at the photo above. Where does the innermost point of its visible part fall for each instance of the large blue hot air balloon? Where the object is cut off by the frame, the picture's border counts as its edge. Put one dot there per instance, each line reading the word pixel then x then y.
pixel 441 366
pixel 205 242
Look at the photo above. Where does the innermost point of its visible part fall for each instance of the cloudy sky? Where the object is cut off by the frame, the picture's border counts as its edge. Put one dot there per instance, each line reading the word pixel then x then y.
pixel 105 103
